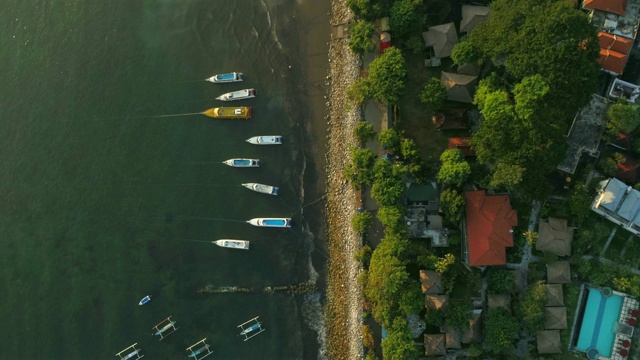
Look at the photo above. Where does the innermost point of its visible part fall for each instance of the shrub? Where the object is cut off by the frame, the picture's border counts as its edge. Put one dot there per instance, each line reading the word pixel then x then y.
pixel 361 222
pixel 367 337
pixel 364 132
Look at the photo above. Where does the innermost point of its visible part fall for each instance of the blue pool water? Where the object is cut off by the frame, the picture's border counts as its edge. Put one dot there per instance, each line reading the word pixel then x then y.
pixel 275 222
pixel 599 322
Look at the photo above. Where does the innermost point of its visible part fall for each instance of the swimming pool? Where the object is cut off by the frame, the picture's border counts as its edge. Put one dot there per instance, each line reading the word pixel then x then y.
pixel 599 322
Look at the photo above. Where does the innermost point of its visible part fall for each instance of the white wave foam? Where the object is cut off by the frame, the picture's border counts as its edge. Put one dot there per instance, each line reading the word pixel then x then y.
pixel 314 317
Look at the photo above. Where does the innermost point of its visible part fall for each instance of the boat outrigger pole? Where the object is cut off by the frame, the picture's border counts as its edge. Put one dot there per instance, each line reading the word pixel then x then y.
pixel 165 328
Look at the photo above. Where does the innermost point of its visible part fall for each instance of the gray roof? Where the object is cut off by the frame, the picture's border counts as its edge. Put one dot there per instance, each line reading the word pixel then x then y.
pixel 549 342
pixel 618 202
pixel 459 87
pixel 473 16
pixel 558 272
pixel 585 133
pixel 555 295
pixel 555 317
pixel 442 38
pixel 555 236
pixel 630 207
pixel 612 194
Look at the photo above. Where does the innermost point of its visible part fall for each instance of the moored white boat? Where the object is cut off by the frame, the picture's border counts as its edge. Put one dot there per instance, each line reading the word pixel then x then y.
pixel 271 222
pixel 237 95
pixel 262 188
pixel 233 244
pixel 226 78
pixel 265 140
pixel 242 162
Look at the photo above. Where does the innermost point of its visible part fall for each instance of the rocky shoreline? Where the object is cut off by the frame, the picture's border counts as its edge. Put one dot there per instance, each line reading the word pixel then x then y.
pixel 344 300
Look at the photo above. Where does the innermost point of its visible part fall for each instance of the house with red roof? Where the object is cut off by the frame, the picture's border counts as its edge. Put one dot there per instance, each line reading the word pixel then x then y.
pixel 488 228
pixel 611 6
pixel 618 22
pixel 614 52
pixel 463 144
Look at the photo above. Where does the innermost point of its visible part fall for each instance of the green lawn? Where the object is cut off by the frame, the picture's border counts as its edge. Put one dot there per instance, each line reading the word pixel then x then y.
pixel 591 237
pixel 618 243
pixel 413 117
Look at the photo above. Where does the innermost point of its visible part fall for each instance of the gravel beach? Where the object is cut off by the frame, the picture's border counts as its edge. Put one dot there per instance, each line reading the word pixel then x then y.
pixel 343 309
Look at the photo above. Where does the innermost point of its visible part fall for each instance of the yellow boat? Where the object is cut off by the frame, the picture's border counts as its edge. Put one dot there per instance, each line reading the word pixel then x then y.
pixel 240 112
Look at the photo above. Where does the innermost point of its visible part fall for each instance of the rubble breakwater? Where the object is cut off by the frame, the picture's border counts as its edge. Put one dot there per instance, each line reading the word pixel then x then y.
pixel 343 311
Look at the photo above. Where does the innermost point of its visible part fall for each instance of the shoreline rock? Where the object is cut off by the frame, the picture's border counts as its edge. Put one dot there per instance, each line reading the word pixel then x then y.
pixel 343 310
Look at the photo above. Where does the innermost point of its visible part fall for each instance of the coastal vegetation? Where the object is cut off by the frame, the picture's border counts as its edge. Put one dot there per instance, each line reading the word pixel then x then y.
pixel 526 102
pixel 529 101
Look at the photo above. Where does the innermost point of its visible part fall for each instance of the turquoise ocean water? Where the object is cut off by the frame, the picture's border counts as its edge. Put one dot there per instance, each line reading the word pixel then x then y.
pixel 103 202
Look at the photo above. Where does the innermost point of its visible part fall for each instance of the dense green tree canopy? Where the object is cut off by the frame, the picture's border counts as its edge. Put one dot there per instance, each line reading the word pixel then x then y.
pixel 386 281
pixel 359 91
pixel 364 132
pixel 464 52
pixel 361 222
pixel 455 169
pixel 390 140
pixel 361 36
pixel 368 9
pixel 500 330
pixel 403 17
pixel 517 138
pixel 623 118
pixel 500 281
pixel 548 38
pixel 459 314
pixel 387 75
pixel 360 170
pixel 531 307
pixel 433 94
pixel 399 344
pixel 452 203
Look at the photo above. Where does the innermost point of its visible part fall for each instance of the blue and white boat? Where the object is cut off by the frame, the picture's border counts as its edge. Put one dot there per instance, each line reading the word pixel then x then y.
pixel 262 188
pixel 226 78
pixel 265 140
pixel 242 162
pixel 271 222
pixel 145 300
pixel 251 328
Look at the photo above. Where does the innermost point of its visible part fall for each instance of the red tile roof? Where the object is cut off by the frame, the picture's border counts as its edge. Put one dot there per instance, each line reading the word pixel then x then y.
pixel 612 61
pixel 613 42
pixel 489 222
pixel 462 143
pixel 612 6
pixel 628 171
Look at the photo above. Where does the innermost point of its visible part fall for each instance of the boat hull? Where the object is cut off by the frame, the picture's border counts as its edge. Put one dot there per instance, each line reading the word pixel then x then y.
pixel 237 95
pixel 240 112
pixel 226 78
pixel 261 188
pixel 145 300
pixel 271 222
pixel 244 163
pixel 265 140
pixel 233 244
